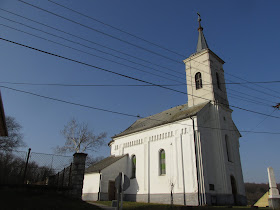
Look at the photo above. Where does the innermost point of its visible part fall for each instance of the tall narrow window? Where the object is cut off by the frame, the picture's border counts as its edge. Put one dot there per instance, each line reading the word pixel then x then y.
pixel 198 80
pixel 218 81
pixel 228 148
pixel 162 166
pixel 133 167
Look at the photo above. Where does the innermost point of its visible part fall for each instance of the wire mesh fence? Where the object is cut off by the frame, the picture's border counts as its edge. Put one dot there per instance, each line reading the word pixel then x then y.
pixel 27 167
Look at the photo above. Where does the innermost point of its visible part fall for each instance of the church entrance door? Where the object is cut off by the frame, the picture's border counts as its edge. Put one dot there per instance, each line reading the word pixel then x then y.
pixel 111 191
pixel 234 189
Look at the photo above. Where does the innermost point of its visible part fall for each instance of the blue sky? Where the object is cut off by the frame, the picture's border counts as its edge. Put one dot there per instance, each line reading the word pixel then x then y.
pixel 245 34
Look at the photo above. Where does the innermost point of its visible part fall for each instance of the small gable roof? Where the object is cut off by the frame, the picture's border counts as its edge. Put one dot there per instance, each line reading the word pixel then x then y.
pixel 97 167
pixel 165 117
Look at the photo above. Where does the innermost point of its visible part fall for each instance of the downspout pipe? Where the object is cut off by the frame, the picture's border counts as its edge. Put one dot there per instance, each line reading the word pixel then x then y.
pixel 196 159
pixel 183 170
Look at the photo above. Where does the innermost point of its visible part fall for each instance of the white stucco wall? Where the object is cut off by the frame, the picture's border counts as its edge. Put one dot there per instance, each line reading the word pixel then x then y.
pixel 208 64
pixel 146 146
pixel 211 124
pixel 217 167
pixel 111 172
pixel 91 183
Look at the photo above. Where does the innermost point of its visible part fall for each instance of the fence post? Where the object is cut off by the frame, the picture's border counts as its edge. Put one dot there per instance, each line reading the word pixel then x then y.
pixel 57 179
pixel 78 171
pixel 63 177
pixel 26 165
pixel 70 175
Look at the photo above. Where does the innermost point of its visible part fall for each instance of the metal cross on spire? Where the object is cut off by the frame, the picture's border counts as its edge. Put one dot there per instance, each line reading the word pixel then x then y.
pixel 199 20
pixel 201 43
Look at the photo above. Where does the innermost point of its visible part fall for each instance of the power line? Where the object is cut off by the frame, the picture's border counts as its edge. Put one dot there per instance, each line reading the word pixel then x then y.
pixel 258 82
pixel 248 95
pixel 253 83
pixel 74 48
pixel 101 32
pixel 129 77
pixel 90 41
pixel 130 34
pixel 265 93
pixel 92 66
pixel 243 85
pixel 258 91
pixel 113 49
pixel 88 53
pixel 121 85
pixel 68 102
pixel 260 122
pixel 121 113
pixel 85 85
pixel 249 100
pixel 106 33
pixel 126 53
pixel 83 46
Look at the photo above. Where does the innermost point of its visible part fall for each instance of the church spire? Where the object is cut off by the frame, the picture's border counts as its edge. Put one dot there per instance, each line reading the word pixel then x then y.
pixel 201 43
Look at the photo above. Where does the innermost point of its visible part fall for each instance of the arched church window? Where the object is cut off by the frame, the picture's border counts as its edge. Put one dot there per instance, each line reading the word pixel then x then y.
pixel 133 167
pixel 198 80
pixel 162 166
pixel 228 149
pixel 218 81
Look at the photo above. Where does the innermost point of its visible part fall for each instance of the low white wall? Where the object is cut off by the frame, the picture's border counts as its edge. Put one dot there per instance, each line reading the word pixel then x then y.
pixel 91 183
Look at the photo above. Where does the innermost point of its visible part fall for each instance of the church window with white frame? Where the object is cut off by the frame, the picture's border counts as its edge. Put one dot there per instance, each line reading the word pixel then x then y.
pixel 198 80
pixel 133 166
pixel 162 165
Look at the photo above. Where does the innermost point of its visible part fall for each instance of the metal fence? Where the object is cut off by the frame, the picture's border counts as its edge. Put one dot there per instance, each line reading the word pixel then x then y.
pixel 27 167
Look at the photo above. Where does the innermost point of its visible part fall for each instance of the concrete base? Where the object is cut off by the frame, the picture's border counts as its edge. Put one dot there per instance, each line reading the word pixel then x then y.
pixel 90 196
pixel 274 203
pixel 178 198
pixel 225 199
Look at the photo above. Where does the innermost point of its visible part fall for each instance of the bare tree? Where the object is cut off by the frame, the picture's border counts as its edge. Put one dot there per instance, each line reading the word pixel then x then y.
pixel 15 138
pixel 79 138
pixel 91 160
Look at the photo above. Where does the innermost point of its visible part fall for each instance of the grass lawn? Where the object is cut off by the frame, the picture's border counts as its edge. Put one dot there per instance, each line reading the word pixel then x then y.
pixel 14 200
pixel 153 206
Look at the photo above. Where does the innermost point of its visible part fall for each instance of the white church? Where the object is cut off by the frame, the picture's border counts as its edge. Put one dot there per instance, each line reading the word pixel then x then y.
pixel 189 153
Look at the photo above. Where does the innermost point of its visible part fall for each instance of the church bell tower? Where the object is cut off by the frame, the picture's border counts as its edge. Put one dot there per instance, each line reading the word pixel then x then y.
pixel 205 74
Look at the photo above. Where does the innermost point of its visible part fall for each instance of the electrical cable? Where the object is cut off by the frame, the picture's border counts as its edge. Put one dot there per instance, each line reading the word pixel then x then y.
pixel 92 66
pixel 119 85
pixel 88 53
pixel 89 41
pixel 129 77
pixel 130 34
pixel 113 49
pixel 121 113
pixel 259 123
pixel 78 43
pixel 101 32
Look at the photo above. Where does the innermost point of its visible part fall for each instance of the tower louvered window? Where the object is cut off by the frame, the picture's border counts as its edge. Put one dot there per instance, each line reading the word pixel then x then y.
pixel 198 80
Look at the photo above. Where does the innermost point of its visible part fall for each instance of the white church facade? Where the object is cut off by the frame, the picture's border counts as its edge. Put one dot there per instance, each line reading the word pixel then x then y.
pixel 189 153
